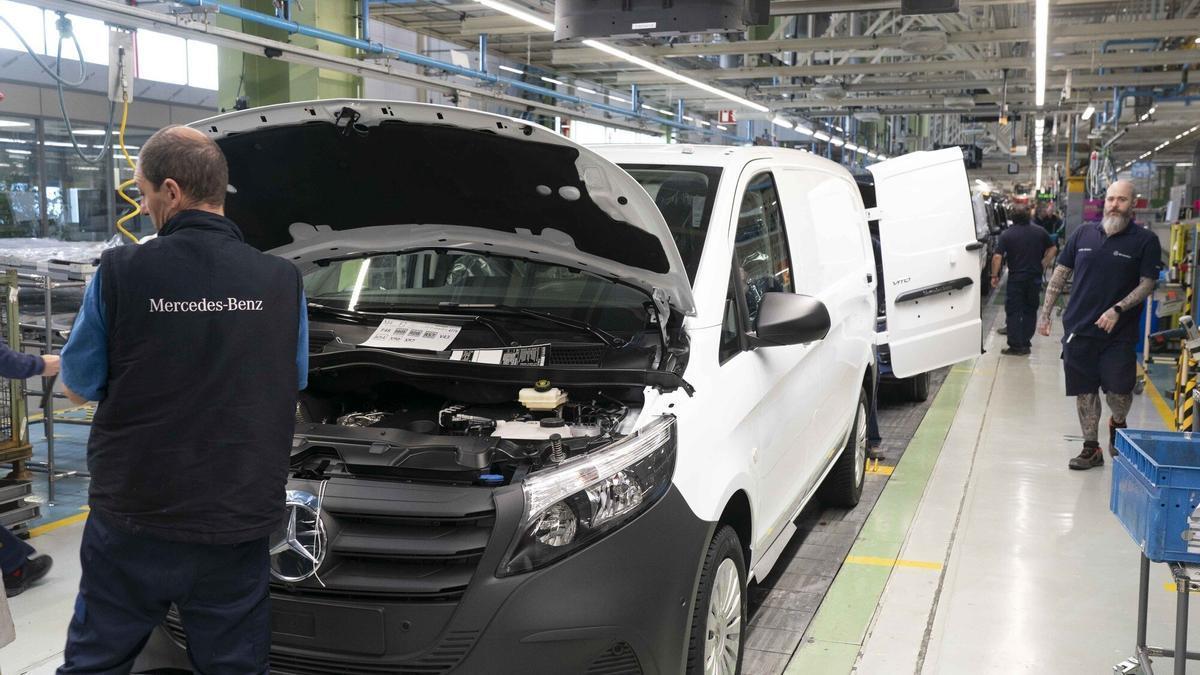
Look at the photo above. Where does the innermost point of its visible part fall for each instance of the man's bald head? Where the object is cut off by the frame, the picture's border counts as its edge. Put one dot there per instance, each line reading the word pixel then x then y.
pixel 1118 207
pixel 189 158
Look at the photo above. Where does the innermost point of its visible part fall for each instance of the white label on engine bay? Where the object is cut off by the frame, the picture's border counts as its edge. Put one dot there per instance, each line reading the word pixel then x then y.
pixel 399 334
pixel 533 355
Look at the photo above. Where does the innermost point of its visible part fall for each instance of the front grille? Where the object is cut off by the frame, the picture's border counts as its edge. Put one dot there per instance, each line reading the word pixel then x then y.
pixel 575 355
pixel 618 659
pixel 443 658
pixel 399 541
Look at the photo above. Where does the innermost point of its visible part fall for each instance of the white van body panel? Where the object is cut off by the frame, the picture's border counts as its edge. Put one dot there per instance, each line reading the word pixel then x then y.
pixel 931 260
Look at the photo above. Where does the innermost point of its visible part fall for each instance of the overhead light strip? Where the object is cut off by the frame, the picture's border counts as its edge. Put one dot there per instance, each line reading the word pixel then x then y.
pixel 538 21
pixel 1041 37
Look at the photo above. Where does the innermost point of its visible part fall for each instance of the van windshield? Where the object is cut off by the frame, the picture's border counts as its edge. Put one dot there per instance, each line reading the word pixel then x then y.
pixel 685 196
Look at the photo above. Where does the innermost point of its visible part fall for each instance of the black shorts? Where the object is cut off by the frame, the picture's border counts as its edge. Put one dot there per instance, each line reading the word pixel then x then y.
pixel 1096 363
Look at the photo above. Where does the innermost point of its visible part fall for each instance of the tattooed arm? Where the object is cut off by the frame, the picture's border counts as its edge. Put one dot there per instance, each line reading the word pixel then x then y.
pixel 1108 321
pixel 1058 281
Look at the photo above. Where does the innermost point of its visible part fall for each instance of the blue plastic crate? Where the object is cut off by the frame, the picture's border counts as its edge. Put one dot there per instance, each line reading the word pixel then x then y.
pixel 1155 487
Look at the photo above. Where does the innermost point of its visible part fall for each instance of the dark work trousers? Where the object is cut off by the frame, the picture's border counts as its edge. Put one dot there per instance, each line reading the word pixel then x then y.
pixel 130 581
pixel 13 551
pixel 1020 309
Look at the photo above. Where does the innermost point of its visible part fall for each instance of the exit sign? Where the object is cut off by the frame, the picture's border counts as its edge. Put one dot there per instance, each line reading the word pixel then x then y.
pixel 726 117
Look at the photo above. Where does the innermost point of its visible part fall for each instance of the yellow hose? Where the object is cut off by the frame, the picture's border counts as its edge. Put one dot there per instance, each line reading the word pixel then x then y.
pixel 137 208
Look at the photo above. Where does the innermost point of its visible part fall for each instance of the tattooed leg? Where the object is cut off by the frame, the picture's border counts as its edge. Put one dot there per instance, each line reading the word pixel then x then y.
pixel 1119 404
pixel 1088 406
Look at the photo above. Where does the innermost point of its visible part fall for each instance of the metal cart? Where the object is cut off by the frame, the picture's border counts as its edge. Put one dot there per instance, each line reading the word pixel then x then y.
pixel 1156 496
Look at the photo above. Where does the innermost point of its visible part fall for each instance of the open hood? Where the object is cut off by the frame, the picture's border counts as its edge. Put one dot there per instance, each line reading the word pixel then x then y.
pixel 330 179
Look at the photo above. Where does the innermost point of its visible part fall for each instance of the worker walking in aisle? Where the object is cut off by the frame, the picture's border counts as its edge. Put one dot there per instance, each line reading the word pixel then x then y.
pixel 194 344
pixel 1029 250
pixel 21 565
pixel 1115 266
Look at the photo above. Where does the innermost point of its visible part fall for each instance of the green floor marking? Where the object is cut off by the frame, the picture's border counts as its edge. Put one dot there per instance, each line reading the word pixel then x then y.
pixel 837 632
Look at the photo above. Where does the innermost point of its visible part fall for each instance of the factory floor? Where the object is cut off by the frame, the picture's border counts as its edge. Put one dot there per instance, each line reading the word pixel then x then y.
pixel 975 549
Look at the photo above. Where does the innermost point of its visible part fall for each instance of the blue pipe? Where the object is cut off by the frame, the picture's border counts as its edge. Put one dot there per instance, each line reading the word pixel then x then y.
pixel 426 62
pixel 365 13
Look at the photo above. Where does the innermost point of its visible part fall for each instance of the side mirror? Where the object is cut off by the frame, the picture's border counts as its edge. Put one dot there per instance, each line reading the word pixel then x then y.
pixel 790 319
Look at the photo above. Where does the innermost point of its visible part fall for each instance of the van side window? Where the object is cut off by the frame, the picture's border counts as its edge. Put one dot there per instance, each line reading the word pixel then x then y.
pixel 761 262
pixel 731 328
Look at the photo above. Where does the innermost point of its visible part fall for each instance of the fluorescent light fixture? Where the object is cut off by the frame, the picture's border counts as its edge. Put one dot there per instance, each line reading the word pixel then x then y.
pixel 839 128
pixel 618 98
pixel 707 124
pixel 780 122
pixel 13 124
pixel 1088 112
pixel 1152 110
pixel 872 155
pixel 667 72
pixel 14 151
pixel 837 141
pixel 512 70
pixel 58 144
pixel 584 90
pixel 688 119
pixel 801 129
pixel 86 132
pixel 1041 37
pixel 722 127
pixel 821 136
pixel 527 17
pixel 1183 163
pixel 554 81
pixel 882 156
pixel 852 147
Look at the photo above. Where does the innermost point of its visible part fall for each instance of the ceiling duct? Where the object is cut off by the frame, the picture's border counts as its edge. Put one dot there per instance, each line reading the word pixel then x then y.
pixel 924 40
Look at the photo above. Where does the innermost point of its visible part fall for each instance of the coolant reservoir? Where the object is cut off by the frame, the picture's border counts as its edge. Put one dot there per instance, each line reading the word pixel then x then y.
pixel 542 400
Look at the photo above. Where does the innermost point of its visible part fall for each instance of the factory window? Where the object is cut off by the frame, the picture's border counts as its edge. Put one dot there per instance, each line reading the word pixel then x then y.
pixel 28 20
pixel 162 58
pixel 20 204
pixel 93 40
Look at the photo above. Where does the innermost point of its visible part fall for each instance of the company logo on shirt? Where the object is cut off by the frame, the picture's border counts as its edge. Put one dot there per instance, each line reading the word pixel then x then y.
pixel 1084 250
pixel 205 305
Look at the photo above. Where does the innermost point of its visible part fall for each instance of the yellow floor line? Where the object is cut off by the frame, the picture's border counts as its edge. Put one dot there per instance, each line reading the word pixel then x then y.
pixel 881 470
pixel 1160 404
pixel 891 562
pixel 37 417
pixel 63 522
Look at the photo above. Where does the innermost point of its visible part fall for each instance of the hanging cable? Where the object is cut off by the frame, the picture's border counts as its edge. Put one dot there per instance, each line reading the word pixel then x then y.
pixel 49 71
pixel 137 207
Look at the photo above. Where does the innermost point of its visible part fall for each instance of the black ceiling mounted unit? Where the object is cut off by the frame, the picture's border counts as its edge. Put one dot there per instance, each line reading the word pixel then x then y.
pixel 578 19
pixel 908 7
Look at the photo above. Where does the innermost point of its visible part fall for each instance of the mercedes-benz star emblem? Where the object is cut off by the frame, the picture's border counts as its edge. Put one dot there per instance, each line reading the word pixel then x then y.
pixel 298 546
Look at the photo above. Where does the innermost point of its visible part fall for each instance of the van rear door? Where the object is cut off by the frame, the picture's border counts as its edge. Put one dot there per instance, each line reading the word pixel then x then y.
pixel 931 260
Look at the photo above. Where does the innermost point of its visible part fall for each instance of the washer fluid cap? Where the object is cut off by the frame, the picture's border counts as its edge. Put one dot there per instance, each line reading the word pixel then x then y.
pixel 542 385
pixel 553 423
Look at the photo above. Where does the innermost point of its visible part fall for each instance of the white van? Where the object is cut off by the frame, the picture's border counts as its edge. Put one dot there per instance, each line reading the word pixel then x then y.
pixel 561 414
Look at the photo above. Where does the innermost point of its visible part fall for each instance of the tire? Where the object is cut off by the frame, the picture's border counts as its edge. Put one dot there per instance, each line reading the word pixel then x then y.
pixel 843 486
pixel 722 583
pixel 916 388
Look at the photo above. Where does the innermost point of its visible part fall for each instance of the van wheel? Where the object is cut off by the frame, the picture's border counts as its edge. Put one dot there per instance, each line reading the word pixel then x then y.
pixel 843 486
pixel 719 619
pixel 916 388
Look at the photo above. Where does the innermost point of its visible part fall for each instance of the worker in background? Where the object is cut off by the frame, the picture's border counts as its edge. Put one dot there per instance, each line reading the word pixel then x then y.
pixel 1046 217
pixel 1115 265
pixel 1028 250
pixel 194 344
pixel 21 565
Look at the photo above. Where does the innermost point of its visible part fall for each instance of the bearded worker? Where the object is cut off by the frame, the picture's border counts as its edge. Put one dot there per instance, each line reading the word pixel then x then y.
pixel 1115 266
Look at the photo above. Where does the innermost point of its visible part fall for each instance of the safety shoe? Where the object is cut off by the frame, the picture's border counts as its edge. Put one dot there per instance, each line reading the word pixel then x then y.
pixel 1090 457
pixel 874 451
pixel 1002 330
pixel 1112 435
pixel 27 575
pixel 1016 351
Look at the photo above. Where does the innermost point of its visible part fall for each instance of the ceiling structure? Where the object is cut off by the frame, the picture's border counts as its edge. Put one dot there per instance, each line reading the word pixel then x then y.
pixel 912 80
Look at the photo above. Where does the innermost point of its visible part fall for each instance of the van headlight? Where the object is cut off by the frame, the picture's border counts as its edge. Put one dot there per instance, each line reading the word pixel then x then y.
pixel 572 506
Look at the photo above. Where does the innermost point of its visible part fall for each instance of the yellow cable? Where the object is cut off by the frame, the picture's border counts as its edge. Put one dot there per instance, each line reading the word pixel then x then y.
pixel 137 208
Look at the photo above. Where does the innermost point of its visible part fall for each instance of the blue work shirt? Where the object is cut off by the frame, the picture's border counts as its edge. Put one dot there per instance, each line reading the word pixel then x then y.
pixel 1106 269
pixel 1023 247
pixel 85 356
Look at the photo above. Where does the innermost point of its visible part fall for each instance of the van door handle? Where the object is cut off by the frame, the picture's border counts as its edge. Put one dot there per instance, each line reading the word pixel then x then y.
pixel 975 246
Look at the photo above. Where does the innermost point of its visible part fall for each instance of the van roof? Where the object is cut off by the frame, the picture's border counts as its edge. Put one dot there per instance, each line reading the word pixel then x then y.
pixel 723 156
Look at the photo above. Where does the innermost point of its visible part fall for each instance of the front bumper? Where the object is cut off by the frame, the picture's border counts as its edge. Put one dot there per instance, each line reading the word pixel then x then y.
pixel 622 606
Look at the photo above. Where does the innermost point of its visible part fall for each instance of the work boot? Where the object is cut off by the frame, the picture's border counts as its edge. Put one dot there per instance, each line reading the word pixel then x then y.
pixel 27 575
pixel 1016 351
pixel 1112 435
pixel 874 451
pixel 1002 330
pixel 1091 456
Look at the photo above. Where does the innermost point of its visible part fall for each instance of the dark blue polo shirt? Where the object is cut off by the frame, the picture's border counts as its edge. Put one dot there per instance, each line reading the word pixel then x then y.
pixel 1023 246
pixel 1106 269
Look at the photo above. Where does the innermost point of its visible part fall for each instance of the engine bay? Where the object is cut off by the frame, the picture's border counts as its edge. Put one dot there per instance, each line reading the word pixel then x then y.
pixel 363 422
